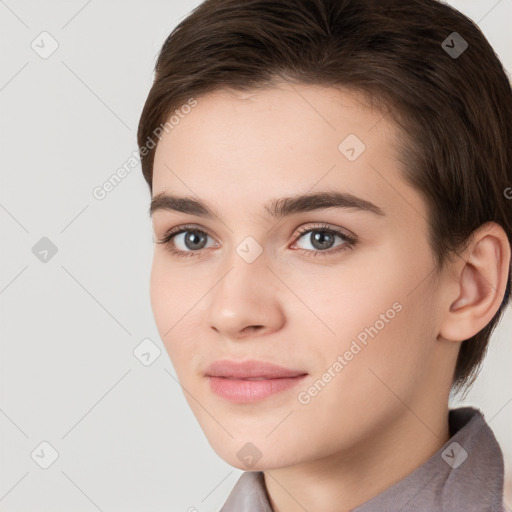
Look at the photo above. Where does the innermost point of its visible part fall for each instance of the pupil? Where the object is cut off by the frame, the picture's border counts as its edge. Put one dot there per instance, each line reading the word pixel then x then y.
pixel 321 239
pixel 194 239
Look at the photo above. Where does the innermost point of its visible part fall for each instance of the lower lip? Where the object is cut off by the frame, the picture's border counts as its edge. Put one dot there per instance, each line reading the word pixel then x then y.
pixel 243 391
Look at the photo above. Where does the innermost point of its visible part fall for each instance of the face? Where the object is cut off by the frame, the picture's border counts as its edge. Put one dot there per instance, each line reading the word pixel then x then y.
pixel 334 290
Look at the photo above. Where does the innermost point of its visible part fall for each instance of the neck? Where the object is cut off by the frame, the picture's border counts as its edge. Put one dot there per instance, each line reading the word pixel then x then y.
pixel 345 480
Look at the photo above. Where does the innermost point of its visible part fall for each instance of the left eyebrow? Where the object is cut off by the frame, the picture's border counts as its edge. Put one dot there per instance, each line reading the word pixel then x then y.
pixel 277 208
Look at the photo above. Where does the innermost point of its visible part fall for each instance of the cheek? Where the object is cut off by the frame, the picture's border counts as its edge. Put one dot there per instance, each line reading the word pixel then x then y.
pixel 346 298
pixel 171 290
pixel 368 387
pixel 167 301
pixel 161 299
pixel 380 331
pixel 390 366
pixel 173 300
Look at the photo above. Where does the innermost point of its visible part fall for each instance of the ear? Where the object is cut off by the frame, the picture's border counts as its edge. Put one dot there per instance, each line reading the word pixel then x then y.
pixel 479 280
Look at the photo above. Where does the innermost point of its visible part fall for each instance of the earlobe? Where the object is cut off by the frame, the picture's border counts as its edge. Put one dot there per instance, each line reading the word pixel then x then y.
pixel 481 282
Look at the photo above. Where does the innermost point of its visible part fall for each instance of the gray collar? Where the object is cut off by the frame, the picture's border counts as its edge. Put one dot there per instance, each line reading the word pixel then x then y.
pixel 466 474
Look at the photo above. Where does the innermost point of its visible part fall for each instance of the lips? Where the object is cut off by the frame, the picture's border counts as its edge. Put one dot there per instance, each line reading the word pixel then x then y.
pixel 250 370
pixel 250 381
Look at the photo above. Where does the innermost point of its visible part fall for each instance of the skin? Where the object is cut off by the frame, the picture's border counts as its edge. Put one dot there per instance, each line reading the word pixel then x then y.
pixel 386 412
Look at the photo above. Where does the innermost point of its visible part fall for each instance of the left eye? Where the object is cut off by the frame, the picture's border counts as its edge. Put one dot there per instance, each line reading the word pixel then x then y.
pixel 322 239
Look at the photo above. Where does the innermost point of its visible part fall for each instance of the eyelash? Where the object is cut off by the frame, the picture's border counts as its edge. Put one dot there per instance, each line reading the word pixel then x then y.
pixel 350 241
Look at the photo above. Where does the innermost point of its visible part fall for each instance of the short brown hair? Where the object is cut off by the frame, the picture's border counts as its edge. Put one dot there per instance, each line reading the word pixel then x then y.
pixel 455 111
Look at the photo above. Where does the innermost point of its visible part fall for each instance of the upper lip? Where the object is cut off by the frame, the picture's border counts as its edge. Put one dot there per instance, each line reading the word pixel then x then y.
pixel 250 369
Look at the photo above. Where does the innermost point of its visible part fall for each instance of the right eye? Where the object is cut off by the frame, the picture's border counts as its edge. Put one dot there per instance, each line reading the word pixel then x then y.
pixel 189 240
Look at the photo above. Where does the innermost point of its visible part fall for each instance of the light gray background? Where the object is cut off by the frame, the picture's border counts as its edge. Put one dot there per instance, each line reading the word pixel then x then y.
pixel 125 436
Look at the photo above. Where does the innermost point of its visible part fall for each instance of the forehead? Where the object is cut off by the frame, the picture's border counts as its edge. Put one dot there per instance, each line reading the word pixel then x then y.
pixel 242 149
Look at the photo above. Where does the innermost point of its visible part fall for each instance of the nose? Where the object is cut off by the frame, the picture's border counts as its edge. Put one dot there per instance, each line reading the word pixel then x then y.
pixel 246 301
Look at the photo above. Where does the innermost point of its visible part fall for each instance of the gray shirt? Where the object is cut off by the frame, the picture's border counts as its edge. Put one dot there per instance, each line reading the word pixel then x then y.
pixel 465 475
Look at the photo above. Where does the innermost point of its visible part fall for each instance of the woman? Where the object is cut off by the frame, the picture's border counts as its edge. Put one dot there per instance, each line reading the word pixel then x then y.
pixel 332 246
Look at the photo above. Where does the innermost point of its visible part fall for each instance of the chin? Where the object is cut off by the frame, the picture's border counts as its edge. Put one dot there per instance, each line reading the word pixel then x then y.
pixel 249 456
